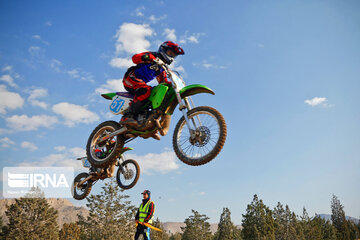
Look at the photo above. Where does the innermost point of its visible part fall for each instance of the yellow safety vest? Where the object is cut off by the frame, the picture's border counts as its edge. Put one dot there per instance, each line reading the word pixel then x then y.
pixel 144 210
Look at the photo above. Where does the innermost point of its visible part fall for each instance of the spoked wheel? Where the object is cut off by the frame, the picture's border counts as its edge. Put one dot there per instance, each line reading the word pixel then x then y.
pixel 104 153
pixel 206 141
pixel 128 174
pixel 81 192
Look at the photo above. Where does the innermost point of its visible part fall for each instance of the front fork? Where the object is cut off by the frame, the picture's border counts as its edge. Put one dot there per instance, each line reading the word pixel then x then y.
pixel 184 108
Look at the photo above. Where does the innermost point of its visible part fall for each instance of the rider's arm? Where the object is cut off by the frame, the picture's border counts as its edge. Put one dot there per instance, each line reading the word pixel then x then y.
pixel 162 77
pixel 144 57
pixel 151 212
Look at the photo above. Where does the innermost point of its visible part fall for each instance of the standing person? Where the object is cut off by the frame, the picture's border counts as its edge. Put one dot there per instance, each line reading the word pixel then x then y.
pixel 145 214
pixel 146 69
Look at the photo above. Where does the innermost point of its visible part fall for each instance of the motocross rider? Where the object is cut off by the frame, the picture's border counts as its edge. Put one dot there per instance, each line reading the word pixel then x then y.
pixel 146 69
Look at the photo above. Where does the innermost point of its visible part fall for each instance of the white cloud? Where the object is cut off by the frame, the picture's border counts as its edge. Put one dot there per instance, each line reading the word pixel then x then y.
pixel 55 64
pixel 193 38
pixel 8 79
pixel 29 145
pixel 48 23
pixel 169 34
pixel 35 50
pixel 207 65
pixel 35 94
pixel 82 75
pixel 6 142
pixel 74 114
pixel 131 38
pixel 60 148
pixel 156 162
pixel 154 19
pixel 37 37
pixel 65 158
pixel 316 101
pixel 121 62
pixel 139 11
pixel 7 68
pixel 25 123
pixel 112 85
pixel 9 100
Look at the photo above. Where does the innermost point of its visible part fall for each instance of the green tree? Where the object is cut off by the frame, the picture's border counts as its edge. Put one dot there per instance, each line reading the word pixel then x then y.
pixel 258 223
pixel 111 216
pixel 286 224
pixel 176 236
pixel 196 227
pixel 226 229
pixel 338 219
pixel 31 218
pixel 354 231
pixel 156 235
pixel 69 231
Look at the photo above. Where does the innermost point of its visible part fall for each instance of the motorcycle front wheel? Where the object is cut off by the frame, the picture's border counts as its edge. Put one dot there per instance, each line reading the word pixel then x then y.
pixel 128 174
pixel 209 136
pixel 102 154
pixel 81 192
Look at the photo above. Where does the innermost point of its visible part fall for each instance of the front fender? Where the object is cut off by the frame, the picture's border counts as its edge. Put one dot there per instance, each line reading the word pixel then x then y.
pixel 195 89
pixel 186 92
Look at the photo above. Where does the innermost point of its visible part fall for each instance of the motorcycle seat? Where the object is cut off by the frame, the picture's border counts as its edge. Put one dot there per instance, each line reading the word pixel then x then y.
pixel 125 94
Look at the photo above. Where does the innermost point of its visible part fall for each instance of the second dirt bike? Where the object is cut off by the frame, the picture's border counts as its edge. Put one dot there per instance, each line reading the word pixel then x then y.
pixel 198 137
pixel 127 175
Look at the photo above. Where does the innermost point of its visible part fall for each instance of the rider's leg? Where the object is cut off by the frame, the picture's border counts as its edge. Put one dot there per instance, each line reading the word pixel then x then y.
pixel 142 93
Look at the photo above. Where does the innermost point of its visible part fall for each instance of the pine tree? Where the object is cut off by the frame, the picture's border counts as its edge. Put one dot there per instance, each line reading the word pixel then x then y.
pixel 156 235
pixel 286 224
pixel 226 229
pixel 69 231
pixel 338 219
pixel 111 216
pixel 31 218
pixel 258 223
pixel 176 236
pixel 196 227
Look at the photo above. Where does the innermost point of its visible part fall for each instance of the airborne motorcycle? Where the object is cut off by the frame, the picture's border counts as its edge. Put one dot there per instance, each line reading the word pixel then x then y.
pixel 127 175
pixel 198 137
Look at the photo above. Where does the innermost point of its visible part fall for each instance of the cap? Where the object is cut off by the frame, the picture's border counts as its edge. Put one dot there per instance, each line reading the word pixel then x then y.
pixel 146 191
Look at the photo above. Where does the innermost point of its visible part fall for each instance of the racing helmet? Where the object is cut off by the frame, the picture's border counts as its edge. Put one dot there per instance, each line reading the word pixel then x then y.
pixel 169 50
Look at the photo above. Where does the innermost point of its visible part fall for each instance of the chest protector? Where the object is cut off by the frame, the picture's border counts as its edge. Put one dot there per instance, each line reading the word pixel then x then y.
pixel 143 212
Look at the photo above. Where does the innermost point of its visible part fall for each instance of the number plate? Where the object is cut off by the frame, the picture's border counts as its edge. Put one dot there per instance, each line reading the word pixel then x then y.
pixel 116 106
pixel 86 163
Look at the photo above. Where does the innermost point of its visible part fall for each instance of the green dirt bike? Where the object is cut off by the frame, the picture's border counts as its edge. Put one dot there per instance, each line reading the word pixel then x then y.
pixel 198 137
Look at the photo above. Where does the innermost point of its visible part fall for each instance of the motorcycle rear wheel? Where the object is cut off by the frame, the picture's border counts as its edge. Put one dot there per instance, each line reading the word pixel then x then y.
pixel 210 136
pixel 104 154
pixel 80 193
pixel 130 176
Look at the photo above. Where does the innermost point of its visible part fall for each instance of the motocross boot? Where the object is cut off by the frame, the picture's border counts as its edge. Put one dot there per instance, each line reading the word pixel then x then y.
pixel 129 116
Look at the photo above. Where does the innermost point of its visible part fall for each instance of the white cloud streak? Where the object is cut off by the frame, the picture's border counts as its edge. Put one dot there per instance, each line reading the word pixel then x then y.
pixel 29 145
pixel 316 101
pixel 35 94
pixel 9 100
pixel 112 85
pixel 8 79
pixel 6 143
pixel 74 114
pixel 156 162
pixel 26 123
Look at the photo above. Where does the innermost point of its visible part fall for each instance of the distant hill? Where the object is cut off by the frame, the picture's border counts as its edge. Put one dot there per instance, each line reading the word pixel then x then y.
pixel 66 210
pixel 328 217
pixel 175 227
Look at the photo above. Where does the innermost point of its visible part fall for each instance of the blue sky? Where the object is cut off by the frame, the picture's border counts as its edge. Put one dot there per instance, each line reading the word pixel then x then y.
pixel 285 74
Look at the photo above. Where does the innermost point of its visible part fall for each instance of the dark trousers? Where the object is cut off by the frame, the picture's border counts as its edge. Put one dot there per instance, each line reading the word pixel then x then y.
pixel 142 230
